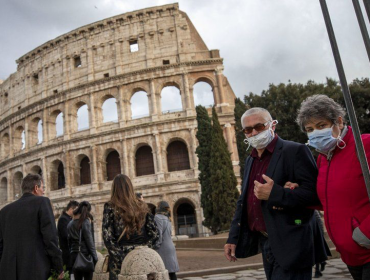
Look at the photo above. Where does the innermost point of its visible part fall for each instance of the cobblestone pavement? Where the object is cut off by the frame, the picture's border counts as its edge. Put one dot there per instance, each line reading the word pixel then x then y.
pixel 335 269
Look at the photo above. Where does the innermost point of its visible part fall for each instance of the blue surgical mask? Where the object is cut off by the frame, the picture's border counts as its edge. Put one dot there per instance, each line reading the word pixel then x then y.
pixel 323 140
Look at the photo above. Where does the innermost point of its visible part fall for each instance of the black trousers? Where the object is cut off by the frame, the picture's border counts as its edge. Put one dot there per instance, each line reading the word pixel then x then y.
pixel 80 275
pixel 172 276
pixel 361 272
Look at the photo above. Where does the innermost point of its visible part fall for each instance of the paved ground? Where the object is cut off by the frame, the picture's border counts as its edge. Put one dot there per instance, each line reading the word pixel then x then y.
pixel 335 269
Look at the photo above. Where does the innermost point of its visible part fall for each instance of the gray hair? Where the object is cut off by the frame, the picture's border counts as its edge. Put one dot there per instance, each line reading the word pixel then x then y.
pixel 319 107
pixel 30 181
pixel 257 111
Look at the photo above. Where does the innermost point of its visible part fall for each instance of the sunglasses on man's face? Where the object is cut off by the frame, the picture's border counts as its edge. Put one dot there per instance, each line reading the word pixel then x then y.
pixel 258 127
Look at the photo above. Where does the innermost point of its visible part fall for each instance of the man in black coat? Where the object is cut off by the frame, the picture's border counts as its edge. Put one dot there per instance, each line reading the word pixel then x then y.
pixel 28 235
pixel 63 222
pixel 270 218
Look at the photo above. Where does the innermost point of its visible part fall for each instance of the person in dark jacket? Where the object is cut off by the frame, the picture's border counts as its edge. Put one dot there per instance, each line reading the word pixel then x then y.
pixel 81 226
pixel 63 222
pixel 164 245
pixel 127 223
pixel 284 236
pixel 28 235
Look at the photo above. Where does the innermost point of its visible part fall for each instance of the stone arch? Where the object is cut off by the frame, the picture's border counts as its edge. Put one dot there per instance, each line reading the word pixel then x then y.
pixel 57 177
pixel 35 132
pixel 76 116
pixel 144 162
pixel 185 218
pixel 17 181
pixel 139 104
pixel 56 124
pixel 113 164
pixel 177 155
pixel 19 139
pixel 203 93
pixel 171 99
pixel 108 111
pixel 83 174
pixel 5 145
pixel 3 190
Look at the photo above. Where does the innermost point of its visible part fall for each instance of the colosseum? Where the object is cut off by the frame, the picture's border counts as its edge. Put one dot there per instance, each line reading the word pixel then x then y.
pixel 114 96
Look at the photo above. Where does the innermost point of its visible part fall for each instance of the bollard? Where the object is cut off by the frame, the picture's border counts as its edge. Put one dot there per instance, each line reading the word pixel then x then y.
pixel 143 264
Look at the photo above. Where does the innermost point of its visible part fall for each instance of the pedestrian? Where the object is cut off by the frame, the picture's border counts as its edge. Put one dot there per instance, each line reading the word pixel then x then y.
pixel 80 239
pixel 127 223
pixel 320 255
pixel 164 246
pixel 140 196
pixel 340 184
pixel 28 235
pixel 63 222
pixel 269 217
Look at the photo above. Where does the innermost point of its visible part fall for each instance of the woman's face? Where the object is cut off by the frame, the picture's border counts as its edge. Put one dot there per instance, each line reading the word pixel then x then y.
pixel 318 124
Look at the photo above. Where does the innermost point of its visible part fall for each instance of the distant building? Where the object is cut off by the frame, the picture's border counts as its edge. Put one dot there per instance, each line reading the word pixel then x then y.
pixel 156 53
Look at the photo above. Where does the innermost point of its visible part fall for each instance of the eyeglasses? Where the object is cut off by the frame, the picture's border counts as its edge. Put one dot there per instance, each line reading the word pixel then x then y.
pixel 258 127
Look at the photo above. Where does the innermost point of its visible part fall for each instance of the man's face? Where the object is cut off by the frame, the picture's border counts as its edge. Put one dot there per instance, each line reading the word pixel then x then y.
pixel 258 122
pixel 39 190
pixel 70 211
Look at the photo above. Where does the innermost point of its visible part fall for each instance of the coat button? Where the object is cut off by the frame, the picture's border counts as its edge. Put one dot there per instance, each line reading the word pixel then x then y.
pixel 238 224
pixel 241 204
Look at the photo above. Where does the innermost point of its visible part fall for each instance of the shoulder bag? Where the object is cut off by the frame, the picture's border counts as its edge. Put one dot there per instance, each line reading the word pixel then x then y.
pixel 83 263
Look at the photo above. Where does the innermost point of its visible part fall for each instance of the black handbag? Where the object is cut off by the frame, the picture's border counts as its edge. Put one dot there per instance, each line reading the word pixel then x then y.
pixel 83 263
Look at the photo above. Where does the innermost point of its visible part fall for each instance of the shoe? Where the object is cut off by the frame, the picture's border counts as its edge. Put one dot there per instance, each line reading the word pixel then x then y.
pixel 323 266
pixel 318 274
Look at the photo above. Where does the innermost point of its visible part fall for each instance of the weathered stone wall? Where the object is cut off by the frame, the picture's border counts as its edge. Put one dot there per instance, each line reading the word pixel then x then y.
pixel 89 65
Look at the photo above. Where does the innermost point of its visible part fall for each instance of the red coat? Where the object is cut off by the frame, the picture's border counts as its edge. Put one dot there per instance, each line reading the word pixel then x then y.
pixel 342 192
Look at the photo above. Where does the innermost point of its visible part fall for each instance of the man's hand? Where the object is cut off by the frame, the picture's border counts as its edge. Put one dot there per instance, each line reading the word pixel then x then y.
pixel 262 191
pixel 290 185
pixel 61 276
pixel 229 252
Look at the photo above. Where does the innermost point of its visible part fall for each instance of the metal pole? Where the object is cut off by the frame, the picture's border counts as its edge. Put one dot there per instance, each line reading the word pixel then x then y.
pixel 367 7
pixel 347 97
pixel 361 23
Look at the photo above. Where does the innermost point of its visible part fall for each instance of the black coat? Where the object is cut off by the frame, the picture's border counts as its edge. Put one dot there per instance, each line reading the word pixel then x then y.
pixel 291 244
pixel 28 240
pixel 87 239
pixel 63 237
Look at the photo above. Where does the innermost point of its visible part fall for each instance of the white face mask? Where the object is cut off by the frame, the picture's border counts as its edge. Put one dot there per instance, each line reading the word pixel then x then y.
pixel 262 139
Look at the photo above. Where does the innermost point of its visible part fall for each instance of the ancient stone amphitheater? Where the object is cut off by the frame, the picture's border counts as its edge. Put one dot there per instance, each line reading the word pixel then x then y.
pixel 52 118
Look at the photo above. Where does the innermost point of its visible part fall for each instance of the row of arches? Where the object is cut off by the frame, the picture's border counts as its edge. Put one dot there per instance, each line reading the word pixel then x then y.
pixel 177 159
pixel 79 116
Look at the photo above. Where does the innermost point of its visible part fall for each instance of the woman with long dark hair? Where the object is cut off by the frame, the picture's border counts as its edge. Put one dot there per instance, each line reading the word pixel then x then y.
pixel 81 225
pixel 127 223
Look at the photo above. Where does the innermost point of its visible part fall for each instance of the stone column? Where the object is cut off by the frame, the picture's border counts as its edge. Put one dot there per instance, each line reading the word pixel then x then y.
pixel 10 190
pixel 45 127
pixel 220 77
pixel 153 101
pixel 199 217
pixel 90 63
pixel 11 144
pixel 158 147
pixel 124 156
pixel 93 165
pixel 121 107
pixel 92 118
pixel 188 98
pixel 45 176
pixel 229 140
pixel 193 144
pixel 26 136
pixel 67 116
pixel 68 176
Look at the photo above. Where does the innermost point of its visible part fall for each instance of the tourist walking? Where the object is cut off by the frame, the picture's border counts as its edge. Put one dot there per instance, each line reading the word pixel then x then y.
pixel 28 235
pixel 340 184
pixel 164 245
pixel 63 222
pixel 127 223
pixel 269 217
pixel 81 239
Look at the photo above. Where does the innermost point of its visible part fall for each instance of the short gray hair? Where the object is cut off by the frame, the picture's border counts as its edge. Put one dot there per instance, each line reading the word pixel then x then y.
pixel 256 111
pixel 319 106
pixel 30 181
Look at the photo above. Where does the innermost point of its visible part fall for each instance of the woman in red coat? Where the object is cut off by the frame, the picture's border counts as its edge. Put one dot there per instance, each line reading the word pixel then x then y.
pixel 340 184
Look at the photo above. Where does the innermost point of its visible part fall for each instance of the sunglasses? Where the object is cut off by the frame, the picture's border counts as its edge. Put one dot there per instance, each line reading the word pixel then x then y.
pixel 258 127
